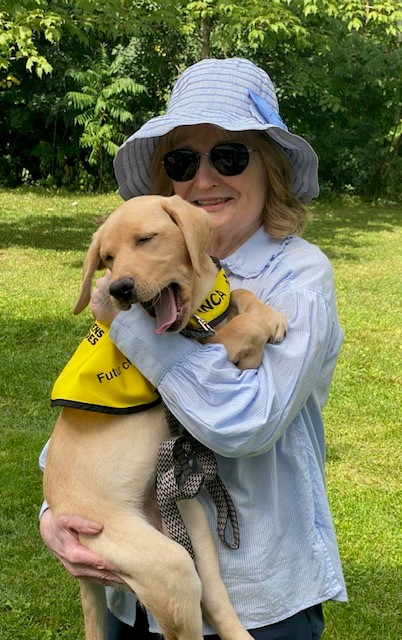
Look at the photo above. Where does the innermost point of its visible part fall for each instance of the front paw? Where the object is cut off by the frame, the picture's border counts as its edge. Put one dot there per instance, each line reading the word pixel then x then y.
pixel 246 356
pixel 244 341
pixel 276 325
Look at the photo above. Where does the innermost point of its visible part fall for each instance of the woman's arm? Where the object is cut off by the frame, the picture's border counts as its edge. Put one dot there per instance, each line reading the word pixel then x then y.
pixel 236 413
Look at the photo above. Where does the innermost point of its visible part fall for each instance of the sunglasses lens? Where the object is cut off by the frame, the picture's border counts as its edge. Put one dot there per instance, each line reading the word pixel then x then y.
pixel 230 158
pixel 181 164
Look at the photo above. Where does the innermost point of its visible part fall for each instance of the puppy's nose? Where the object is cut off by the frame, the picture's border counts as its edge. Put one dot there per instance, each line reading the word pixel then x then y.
pixel 123 289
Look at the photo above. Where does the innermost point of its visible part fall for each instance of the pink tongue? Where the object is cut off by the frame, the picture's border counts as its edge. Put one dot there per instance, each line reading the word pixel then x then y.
pixel 165 310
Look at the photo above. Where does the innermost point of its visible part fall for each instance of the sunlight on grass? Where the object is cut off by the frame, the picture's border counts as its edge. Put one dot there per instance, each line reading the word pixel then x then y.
pixel 43 240
pixel 363 416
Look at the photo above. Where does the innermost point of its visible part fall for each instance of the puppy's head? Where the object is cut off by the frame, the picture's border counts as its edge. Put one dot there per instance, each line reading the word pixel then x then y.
pixel 155 248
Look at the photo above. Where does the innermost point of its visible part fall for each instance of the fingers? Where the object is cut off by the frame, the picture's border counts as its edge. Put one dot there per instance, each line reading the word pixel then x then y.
pixel 89 572
pixel 83 563
pixel 61 535
pixel 104 281
pixel 101 304
pixel 79 524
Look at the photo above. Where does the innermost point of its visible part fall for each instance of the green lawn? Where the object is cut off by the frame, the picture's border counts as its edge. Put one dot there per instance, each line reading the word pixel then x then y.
pixel 43 239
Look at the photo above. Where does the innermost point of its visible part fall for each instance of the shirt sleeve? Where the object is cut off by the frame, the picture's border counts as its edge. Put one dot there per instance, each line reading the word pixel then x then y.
pixel 42 464
pixel 232 412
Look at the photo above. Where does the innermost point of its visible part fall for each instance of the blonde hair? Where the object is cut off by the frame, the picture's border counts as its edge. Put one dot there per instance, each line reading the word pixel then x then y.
pixel 283 214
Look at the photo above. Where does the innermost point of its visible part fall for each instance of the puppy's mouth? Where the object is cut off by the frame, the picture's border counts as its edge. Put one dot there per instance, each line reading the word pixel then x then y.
pixel 168 308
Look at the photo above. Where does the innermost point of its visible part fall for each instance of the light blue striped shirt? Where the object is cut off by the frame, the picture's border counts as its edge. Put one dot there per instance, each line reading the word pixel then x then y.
pixel 265 426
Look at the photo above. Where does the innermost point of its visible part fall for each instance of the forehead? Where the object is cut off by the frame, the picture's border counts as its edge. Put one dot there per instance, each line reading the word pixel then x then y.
pixel 202 136
pixel 137 213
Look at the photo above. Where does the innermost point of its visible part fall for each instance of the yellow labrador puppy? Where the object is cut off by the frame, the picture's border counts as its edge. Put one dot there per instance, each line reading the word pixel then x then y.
pixel 102 465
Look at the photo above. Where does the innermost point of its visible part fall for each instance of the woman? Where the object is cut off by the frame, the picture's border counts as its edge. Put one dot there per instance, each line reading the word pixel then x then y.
pixel 223 146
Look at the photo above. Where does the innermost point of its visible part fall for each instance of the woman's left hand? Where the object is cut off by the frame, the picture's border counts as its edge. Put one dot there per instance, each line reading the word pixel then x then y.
pixel 101 305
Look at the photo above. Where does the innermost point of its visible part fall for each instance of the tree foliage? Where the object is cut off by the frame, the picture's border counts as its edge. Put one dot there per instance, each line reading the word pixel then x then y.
pixel 101 106
pixel 77 76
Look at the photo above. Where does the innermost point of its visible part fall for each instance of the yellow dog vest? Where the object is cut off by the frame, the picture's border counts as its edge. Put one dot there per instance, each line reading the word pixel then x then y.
pixel 100 378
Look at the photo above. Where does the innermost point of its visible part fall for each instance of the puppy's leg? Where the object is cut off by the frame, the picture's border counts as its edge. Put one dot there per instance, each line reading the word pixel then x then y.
pixel 245 335
pixel 215 600
pixel 93 601
pixel 272 322
pixel 159 571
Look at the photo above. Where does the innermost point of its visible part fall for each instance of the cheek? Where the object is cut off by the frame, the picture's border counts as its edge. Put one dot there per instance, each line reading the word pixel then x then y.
pixel 260 199
pixel 256 195
pixel 259 192
pixel 180 189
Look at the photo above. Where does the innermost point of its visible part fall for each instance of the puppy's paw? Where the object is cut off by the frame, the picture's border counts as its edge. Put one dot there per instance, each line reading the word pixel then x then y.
pixel 264 323
pixel 276 325
pixel 244 341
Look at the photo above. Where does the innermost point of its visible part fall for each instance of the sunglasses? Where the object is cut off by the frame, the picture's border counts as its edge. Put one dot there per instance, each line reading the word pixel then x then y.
pixel 228 158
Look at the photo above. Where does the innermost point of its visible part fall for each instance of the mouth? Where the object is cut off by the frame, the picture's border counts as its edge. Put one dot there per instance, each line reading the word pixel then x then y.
pixel 205 203
pixel 168 308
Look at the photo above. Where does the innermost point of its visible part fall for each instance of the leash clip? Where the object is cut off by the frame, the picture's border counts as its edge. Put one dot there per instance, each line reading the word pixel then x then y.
pixel 208 330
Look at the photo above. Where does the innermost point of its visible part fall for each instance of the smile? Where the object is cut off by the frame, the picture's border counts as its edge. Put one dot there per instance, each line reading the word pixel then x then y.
pixel 209 202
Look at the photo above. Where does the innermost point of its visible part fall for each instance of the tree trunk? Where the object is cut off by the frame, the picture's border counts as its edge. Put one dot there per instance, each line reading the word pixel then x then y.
pixel 100 185
pixel 206 37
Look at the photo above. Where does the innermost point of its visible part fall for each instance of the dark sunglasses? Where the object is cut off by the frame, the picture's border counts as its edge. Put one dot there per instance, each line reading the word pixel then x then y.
pixel 229 158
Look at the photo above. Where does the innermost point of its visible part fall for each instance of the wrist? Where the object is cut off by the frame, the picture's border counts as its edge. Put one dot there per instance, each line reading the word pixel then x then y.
pixel 133 332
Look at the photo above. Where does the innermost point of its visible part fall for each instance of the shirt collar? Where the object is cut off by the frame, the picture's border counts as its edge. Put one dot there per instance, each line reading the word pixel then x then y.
pixel 254 255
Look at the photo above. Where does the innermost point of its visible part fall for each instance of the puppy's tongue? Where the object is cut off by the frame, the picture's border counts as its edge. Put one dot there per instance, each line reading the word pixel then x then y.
pixel 165 310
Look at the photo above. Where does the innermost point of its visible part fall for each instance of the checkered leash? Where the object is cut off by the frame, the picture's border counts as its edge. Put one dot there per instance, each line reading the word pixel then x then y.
pixel 184 466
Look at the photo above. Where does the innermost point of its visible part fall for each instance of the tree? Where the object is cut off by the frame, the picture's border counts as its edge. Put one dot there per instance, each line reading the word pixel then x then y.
pixel 225 27
pixel 102 107
pixel 38 135
pixel 343 90
pixel 26 25
pixel 336 65
pixel 20 25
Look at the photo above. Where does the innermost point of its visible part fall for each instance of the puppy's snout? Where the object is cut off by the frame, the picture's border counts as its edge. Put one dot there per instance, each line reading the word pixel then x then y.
pixel 123 290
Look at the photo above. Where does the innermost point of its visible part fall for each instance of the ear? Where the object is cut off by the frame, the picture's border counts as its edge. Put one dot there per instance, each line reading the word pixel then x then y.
pixel 92 262
pixel 195 225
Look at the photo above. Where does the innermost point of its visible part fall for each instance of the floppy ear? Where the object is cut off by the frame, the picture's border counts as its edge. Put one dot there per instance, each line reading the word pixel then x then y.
pixel 195 225
pixel 92 262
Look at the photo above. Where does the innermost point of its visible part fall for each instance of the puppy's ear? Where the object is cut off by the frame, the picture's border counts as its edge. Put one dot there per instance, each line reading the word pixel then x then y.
pixel 195 225
pixel 92 262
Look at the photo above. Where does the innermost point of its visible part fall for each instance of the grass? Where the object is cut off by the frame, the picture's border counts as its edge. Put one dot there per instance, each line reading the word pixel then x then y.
pixel 43 239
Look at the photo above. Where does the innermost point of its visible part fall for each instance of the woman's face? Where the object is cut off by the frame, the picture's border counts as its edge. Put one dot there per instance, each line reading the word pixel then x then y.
pixel 235 203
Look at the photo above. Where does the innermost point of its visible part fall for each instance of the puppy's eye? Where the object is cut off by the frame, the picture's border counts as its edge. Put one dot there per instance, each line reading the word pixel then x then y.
pixel 108 259
pixel 143 240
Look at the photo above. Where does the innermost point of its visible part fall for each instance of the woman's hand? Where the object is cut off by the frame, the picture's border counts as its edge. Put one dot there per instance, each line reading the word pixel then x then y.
pixel 101 305
pixel 60 534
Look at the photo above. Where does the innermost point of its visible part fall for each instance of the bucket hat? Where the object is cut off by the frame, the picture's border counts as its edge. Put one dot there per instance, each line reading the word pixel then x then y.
pixel 233 94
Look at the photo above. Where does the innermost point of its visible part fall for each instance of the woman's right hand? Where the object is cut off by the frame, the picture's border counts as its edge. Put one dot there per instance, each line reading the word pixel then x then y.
pixel 101 304
pixel 61 533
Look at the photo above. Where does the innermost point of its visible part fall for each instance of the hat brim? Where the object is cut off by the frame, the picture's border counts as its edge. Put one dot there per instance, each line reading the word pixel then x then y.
pixel 133 161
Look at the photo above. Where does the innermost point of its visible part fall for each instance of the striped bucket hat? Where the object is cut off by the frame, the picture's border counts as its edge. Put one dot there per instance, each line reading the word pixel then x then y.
pixel 233 94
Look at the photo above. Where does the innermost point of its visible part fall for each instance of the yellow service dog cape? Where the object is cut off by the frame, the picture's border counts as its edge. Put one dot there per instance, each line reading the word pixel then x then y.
pixel 100 378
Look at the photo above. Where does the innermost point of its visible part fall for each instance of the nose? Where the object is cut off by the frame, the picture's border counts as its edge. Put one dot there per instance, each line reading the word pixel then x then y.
pixel 123 290
pixel 207 176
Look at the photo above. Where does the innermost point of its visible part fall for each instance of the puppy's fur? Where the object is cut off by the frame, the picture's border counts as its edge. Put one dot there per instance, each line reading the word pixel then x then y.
pixel 102 466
